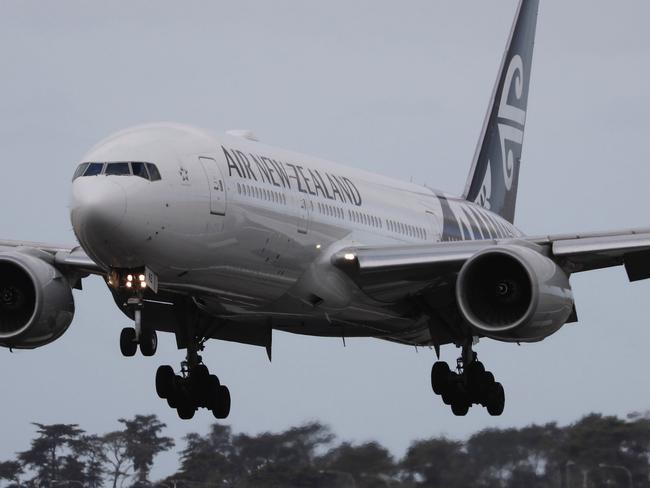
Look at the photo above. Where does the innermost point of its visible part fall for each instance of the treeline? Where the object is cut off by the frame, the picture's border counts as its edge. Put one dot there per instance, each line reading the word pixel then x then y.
pixel 596 451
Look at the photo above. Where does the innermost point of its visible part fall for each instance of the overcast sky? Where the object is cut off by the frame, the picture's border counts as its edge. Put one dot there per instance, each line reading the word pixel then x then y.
pixel 398 88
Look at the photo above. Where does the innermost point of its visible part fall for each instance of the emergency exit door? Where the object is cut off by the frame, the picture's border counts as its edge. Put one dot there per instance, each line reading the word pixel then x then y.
pixel 217 185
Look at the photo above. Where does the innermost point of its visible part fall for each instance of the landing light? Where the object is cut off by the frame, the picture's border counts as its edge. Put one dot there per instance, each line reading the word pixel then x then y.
pixel 143 284
pixel 141 278
pixel 317 246
pixel 129 278
pixel 349 257
pixel 129 284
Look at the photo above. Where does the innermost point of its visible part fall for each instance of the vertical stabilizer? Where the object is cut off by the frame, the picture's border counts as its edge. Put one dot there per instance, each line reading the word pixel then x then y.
pixel 493 179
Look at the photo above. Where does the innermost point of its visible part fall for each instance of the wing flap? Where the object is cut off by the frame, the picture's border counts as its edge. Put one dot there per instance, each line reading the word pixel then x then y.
pixel 630 248
pixel 388 273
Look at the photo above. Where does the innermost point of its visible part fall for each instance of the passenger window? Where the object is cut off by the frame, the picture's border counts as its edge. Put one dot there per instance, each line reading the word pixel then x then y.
pixel 94 169
pixel 139 169
pixel 154 174
pixel 118 169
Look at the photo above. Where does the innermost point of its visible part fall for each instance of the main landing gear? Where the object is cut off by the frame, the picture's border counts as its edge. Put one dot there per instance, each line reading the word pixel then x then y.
pixel 192 389
pixel 470 384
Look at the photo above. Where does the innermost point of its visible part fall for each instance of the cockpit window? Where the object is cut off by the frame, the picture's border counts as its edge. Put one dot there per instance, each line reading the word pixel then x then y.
pixel 153 172
pixel 148 171
pixel 80 170
pixel 139 169
pixel 117 169
pixel 94 169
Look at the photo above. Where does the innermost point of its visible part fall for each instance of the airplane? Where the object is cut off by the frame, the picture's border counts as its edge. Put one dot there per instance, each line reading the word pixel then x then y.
pixel 219 236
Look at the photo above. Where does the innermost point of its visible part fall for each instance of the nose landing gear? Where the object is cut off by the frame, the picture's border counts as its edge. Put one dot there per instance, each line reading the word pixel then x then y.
pixel 470 385
pixel 132 337
pixel 133 284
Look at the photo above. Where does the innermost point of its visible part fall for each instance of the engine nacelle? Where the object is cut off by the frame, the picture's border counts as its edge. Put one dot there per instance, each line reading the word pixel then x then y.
pixel 36 304
pixel 514 293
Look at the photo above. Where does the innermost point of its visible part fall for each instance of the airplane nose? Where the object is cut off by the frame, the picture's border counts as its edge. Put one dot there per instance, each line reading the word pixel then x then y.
pixel 97 210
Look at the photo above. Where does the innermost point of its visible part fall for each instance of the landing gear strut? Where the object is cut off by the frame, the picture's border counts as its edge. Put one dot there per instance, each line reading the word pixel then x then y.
pixel 469 384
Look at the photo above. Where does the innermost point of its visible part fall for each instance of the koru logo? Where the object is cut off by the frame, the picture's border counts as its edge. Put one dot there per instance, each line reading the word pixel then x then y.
pixel 510 124
pixel 509 113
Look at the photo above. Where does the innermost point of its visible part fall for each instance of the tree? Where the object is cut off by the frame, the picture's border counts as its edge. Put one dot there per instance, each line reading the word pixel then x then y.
pixel 90 448
pixel 292 450
pixel 370 464
pixel 144 442
pixel 115 452
pixel 596 439
pixel 210 458
pixel 10 471
pixel 45 455
pixel 437 462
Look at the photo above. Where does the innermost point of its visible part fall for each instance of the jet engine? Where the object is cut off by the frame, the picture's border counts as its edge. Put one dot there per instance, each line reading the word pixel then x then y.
pixel 36 304
pixel 514 293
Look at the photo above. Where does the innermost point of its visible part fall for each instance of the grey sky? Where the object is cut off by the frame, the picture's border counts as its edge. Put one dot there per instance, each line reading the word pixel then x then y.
pixel 395 87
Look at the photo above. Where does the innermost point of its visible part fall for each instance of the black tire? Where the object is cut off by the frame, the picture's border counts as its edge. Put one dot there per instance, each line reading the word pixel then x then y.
pixel 199 385
pixel 451 390
pixel 201 374
pixel 185 412
pixel 440 375
pixel 223 407
pixel 148 342
pixel 487 382
pixel 496 400
pixel 213 393
pixel 165 381
pixel 128 344
pixel 460 408
pixel 488 379
pixel 173 400
pixel 475 373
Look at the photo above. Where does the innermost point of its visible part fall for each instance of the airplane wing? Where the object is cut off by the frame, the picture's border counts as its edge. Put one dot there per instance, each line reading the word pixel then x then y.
pixel 68 257
pixel 388 273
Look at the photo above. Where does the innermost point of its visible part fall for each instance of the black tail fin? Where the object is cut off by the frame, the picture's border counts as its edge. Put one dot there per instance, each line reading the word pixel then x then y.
pixel 494 176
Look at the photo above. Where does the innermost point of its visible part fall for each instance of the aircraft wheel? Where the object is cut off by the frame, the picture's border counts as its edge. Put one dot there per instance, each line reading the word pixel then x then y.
pixel 450 392
pixel 213 393
pixel 165 381
pixel 148 342
pixel 128 343
pixel 177 392
pixel 185 412
pixel 460 407
pixel 440 375
pixel 223 403
pixel 475 376
pixel 496 400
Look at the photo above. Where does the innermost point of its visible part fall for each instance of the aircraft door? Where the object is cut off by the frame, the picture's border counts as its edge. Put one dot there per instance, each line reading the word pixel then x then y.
pixel 434 231
pixel 303 214
pixel 217 185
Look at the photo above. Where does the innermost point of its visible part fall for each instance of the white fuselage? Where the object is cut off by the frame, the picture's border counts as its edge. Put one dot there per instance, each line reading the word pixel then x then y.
pixel 251 228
